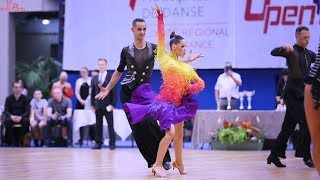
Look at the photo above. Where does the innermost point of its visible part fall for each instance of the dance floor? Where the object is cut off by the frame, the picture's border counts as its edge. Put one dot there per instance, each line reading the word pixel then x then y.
pixel 127 163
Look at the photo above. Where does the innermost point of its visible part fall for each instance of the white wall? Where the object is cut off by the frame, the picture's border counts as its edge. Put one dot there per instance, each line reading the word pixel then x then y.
pixel 7 54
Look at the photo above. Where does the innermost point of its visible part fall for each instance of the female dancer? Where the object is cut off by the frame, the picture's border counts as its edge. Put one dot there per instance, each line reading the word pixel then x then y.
pixel 312 103
pixel 173 105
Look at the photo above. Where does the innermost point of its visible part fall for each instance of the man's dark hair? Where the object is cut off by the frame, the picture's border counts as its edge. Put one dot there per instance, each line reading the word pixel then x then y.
pixel 300 28
pixel 37 89
pixel 134 22
pixel 16 82
pixel 103 59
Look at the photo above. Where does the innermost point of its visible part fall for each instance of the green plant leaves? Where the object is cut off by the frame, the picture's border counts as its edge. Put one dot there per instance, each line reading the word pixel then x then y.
pixel 232 135
pixel 39 74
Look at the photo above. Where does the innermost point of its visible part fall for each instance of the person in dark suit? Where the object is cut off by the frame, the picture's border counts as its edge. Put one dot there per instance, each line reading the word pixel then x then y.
pixel 299 60
pixel 103 107
pixel 16 112
pixel 138 57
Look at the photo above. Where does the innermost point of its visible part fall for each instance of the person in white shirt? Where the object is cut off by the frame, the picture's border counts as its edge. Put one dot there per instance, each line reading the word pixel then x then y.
pixel 227 85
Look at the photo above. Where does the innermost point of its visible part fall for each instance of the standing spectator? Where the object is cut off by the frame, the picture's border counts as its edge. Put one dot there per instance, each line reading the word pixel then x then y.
pixel 38 117
pixel 16 113
pixel 83 85
pixel 83 89
pixel 227 85
pixel 103 107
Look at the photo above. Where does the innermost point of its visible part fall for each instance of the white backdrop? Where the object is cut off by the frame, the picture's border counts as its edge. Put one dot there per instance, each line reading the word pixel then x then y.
pixel 216 28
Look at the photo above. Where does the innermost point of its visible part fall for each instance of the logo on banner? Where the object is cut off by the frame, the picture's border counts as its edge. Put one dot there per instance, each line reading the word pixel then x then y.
pixel 284 15
pixel 132 4
pixel 11 6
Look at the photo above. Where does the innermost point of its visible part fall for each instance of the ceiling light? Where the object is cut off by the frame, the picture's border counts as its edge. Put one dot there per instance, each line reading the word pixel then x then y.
pixel 45 21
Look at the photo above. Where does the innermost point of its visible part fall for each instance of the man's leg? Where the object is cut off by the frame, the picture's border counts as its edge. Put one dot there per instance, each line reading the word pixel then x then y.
pixel 9 133
pixel 223 104
pixel 92 132
pixel 50 133
pixel 25 125
pixel 147 134
pixel 234 103
pixel 69 130
pixel 99 126
pixel 25 129
pixel 112 134
pixel 288 126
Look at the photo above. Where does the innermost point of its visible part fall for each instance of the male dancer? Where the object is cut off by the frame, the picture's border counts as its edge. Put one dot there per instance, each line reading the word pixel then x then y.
pixel 299 60
pixel 139 60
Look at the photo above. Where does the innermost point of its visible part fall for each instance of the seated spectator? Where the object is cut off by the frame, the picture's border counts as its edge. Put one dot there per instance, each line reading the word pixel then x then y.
pixel 38 117
pixel 63 85
pixel 227 85
pixel 16 114
pixel 24 91
pixel 59 113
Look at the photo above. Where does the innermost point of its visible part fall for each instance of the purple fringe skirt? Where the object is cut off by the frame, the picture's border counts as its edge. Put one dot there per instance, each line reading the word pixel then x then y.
pixel 144 104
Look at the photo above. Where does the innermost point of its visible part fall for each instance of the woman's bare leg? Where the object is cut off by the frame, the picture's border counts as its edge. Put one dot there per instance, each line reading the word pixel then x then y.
pixel 163 146
pixel 313 119
pixel 178 142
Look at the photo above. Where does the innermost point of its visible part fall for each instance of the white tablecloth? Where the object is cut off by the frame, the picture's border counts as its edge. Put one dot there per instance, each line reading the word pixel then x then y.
pixel 206 121
pixel 87 117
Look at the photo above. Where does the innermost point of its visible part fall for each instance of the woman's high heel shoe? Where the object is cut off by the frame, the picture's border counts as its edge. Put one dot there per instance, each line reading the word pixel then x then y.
pixel 158 173
pixel 179 167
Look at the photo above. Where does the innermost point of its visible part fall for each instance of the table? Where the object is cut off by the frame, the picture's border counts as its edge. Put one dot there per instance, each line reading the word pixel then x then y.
pixel 269 121
pixel 87 117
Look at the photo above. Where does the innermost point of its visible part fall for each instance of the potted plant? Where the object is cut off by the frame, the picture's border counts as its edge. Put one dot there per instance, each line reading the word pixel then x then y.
pixel 40 74
pixel 237 136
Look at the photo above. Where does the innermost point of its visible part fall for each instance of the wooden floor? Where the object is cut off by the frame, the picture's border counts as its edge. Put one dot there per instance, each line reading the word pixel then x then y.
pixel 127 163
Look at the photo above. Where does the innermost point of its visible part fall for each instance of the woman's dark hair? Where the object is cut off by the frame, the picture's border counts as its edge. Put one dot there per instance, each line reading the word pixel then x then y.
pixel 175 39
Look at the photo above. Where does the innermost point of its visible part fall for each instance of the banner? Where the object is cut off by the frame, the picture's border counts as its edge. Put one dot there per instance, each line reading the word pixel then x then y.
pixel 242 32
pixel 266 24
